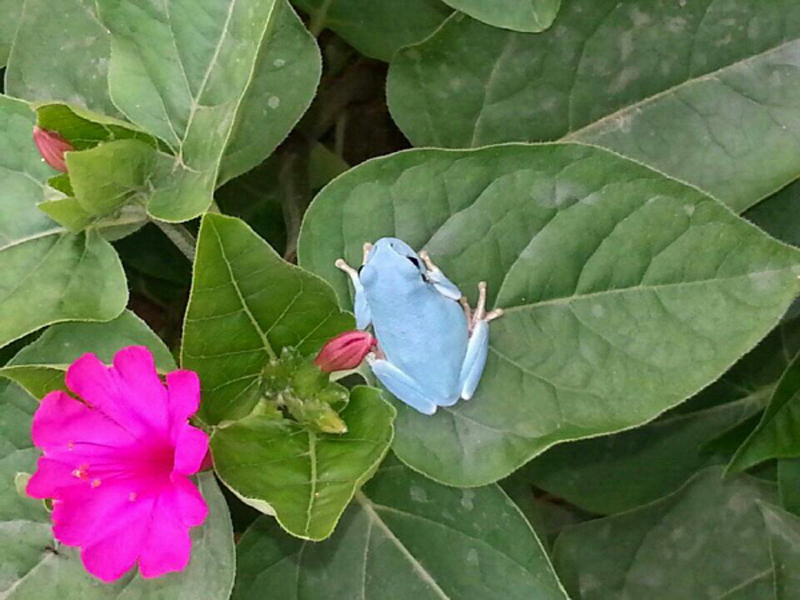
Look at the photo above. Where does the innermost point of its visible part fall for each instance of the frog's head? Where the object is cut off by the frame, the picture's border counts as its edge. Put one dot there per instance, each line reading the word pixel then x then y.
pixel 390 255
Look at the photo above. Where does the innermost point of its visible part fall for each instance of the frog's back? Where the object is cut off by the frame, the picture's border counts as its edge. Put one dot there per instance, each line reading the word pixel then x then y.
pixel 421 332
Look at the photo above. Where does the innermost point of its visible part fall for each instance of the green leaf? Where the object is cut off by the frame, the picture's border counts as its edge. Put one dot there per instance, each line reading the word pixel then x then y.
pixel 284 81
pixel 59 575
pixel 200 85
pixel 109 177
pixel 12 12
pixel 517 15
pixel 758 371
pixel 246 305
pixel 41 366
pixel 46 274
pixel 404 537
pixel 305 479
pixel 778 433
pixel 616 473
pixel 703 541
pixel 707 93
pixel 376 27
pixel 63 58
pixel 85 129
pixel 789 484
pixel 617 306
pixel 779 215
pixel 784 544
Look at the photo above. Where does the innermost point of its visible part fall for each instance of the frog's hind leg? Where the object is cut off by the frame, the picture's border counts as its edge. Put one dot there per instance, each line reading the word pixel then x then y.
pixel 402 386
pixel 361 308
pixel 478 345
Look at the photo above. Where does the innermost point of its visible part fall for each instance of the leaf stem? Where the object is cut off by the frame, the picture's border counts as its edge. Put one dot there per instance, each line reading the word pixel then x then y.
pixel 180 236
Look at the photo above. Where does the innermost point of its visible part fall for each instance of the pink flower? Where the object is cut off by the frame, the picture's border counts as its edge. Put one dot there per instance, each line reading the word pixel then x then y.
pixel 116 464
pixel 345 351
pixel 52 148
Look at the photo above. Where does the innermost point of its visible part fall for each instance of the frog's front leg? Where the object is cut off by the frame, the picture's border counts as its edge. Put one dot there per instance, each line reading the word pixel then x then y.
pixel 402 385
pixel 361 308
pixel 442 284
pixel 478 345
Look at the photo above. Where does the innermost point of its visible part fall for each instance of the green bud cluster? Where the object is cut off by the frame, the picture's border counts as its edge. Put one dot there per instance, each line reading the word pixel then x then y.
pixel 294 385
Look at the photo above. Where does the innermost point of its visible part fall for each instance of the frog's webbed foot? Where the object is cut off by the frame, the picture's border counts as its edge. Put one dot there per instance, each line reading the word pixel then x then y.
pixel 478 345
pixel 353 273
pixel 435 276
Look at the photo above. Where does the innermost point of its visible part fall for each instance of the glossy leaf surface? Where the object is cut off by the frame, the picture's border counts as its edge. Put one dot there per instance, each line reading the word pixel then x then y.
pixel 517 15
pixel 305 479
pixel 40 367
pixel 617 307
pixel 704 541
pixel 778 433
pixel 71 277
pixel 246 305
pixel 376 28
pixel 616 473
pixel 706 92
pixel 404 537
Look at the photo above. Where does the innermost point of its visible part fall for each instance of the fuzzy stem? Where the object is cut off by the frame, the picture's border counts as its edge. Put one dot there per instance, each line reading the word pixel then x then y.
pixel 180 236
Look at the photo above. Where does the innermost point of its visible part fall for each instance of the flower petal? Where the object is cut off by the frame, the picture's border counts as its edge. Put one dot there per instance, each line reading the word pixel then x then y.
pixel 120 541
pixel 168 545
pixel 82 516
pixel 61 420
pixel 107 391
pixel 137 369
pixel 192 505
pixel 191 446
pixel 184 395
pixel 51 479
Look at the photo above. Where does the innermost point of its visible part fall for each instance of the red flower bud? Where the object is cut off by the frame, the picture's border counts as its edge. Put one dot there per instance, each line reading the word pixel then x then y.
pixel 52 147
pixel 345 351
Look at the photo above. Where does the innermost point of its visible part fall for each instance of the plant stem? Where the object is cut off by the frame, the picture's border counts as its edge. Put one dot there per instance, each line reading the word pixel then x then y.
pixel 180 236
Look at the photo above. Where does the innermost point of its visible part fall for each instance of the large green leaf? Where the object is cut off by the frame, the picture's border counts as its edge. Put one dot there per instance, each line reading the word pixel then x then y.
pixel 404 537
pixel 63 58
pixel 779 215
pixel 12 12
pixel 789 484
pixel 704 91
pixel 703 541
pixel 46 273
pixel 40 367
pixel 617 306
pixel 617 473
pixel 376 27
pixel 246 305
pixel 517 15
pixel 202 85
pixel 778 433
pixel 305 479
pixel 758 371
pixel 784 543
pixel 282 86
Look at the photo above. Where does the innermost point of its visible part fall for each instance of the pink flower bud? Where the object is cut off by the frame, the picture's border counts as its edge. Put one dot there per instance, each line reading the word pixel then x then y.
pixel 52 147
pixel 345 351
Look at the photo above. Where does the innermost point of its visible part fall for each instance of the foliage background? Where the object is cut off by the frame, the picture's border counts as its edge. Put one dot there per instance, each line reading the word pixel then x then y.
pixel 623 174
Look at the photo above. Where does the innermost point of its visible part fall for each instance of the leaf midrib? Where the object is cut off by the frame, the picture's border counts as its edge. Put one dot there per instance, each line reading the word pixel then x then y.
pixel 642 287
pixel 574 134
pixel 367 506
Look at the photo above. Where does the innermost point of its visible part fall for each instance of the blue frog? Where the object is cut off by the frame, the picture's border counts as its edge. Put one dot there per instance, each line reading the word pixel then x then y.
pixel 431 346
